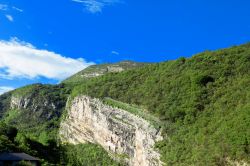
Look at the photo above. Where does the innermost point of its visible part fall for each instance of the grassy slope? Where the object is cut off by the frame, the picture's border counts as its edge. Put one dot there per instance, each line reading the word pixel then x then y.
pixel 203 102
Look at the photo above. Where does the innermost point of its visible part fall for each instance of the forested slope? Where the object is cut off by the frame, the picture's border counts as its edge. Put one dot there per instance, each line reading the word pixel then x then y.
pixel 203 102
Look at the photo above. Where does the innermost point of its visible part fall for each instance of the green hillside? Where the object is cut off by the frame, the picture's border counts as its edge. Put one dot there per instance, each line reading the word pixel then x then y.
pixel 34 128
pixel 201 103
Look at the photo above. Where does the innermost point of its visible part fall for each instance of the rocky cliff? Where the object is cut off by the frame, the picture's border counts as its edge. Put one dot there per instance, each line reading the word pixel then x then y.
pixel 124 135
pixel 44 108
pixel 43 101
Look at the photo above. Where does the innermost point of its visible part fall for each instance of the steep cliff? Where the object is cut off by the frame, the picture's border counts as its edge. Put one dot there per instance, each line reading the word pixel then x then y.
pixel 121 133
pixel 45 108
pixel 45 101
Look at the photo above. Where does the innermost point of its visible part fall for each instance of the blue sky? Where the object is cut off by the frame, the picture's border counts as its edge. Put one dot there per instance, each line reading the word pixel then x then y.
pixel 46 41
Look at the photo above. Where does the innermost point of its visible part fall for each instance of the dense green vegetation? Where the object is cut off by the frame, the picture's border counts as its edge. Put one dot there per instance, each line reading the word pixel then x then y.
pixel 11 140
pixel 87 154
pixel 4 103
pixel 203 102
pixel 134 109
pixel 40 118
pixel 34 129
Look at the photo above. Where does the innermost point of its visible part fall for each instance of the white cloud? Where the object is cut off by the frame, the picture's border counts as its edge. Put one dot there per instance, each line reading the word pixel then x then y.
pixel 17 9
pixel 22 60
pixel 115 53
pixel 96 6
pixel 4 89
pixel 3 7
pixel 9 17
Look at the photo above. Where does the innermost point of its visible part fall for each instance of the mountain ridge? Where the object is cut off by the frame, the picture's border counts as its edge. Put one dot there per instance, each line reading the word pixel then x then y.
pixel 101 69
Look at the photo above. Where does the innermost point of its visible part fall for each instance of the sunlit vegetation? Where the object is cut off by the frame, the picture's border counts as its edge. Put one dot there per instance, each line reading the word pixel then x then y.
pixel 51 153
pixel 202 101
pixel 202 104
pixel 136 110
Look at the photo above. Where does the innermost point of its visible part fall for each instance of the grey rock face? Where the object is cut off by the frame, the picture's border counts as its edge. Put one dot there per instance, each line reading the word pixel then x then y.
pixel 43 108
pixel 19 102
pixel 117 131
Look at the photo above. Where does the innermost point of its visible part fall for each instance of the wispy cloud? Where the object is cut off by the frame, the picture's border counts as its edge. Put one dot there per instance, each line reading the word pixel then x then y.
pixel 4 89
pixel 3 7
pixel 9 17
pixel 22 60
pixel 96 6
pixel 115 53
pixel 17 9
pixel 6 10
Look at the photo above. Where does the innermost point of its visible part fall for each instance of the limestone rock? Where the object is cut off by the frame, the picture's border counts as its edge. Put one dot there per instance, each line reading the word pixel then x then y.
pixel 42 107
pixel 117 131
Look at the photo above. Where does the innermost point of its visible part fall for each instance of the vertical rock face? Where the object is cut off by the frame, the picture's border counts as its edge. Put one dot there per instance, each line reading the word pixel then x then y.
pixel 121 133
pixel 30 102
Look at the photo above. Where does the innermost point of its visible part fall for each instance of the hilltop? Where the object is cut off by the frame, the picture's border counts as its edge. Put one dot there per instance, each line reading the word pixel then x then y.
pixel 99 70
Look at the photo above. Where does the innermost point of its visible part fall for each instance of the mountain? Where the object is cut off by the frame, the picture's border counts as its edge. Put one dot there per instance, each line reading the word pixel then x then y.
pixel 190 111
pixel 99 70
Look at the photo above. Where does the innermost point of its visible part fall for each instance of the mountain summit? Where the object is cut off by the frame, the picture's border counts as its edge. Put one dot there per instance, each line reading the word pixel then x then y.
pixel 99 70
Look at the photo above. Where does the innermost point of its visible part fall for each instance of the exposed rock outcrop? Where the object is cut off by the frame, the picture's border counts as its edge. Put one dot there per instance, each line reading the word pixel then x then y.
pixel 42 107
pixel 109 69
pixel 19 102
pixel 231 162
pixel 119 132
pixel 99 70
